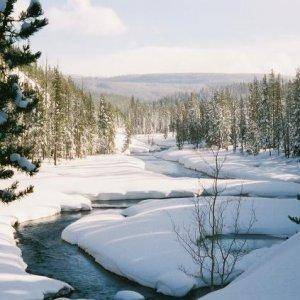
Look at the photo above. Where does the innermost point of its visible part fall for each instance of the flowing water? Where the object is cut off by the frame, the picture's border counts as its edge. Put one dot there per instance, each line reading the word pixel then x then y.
pixel 47 254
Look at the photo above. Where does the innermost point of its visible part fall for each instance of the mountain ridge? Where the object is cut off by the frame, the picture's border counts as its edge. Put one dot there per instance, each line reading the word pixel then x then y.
pixel 150 87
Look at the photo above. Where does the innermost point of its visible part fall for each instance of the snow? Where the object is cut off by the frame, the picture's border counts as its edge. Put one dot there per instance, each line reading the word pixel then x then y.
pixel 274 275
pixel 2 5
pixel 139 243
pixel 128 295
pixel 3 117
pixel 20 100
pixel 72 186
pixel 15 283
pixel 32 2
pixel 148 143
pixel 262 166
pixel 23 162
pixel 25 25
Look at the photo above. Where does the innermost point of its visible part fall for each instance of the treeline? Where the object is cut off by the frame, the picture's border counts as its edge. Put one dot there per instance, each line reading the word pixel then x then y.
pixel 67 123
pixel 147 118
pixel 264 116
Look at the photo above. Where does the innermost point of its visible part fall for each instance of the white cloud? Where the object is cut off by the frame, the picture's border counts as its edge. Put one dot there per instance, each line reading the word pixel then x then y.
pixel 83 18
pixel 282 57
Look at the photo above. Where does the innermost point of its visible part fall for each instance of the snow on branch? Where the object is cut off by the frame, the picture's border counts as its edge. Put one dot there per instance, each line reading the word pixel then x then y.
pixel 2 5
pixel 3 117
pixel 20 100
pixel 23 162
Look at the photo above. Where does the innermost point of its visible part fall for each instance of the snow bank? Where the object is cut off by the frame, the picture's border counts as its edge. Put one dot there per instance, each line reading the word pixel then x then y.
pixel 70 187
pixel 260 167
pixel 139 243
pixel 15 283
pixel 147 143
pixel 274 275
pixel 261 175
pixel 128 295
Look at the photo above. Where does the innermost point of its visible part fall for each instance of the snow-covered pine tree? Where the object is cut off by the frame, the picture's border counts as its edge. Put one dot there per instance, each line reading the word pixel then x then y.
pixel 264 115
pixel 58 115
pixel 234 133
pixel 275 94
pixel 193 119
pixel 295 118
pixel 252 136
pixel 242 126
pixel 15 102
pixel 106 127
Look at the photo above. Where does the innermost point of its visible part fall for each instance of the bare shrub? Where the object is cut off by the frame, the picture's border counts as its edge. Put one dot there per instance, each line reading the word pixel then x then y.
pixel 204 239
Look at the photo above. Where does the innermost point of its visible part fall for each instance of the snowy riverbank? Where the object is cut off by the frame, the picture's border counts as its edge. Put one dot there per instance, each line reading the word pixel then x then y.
pixel 139 242
pixel 67 187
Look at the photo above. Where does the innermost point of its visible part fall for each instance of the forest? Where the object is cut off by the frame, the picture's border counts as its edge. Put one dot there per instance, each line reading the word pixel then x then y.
pixel 261 115
pixel 187 189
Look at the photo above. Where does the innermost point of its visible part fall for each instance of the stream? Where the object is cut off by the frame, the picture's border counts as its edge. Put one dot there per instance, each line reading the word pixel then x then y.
pixel 47 254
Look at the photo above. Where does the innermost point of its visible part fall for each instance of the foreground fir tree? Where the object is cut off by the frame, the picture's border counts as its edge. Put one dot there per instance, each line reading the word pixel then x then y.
pixel 16 101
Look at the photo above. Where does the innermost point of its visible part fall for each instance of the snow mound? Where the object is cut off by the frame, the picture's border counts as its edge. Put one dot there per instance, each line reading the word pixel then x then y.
pixel 128 295
pixel 175 283
pixel 139 243
pixel 274 275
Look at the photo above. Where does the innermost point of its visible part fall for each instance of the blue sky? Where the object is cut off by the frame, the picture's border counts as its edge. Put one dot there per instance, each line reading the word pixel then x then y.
pixel 113 37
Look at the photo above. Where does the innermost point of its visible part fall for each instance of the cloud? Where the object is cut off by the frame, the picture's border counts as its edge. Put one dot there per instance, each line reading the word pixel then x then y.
pixel 82 18
pixel 282 57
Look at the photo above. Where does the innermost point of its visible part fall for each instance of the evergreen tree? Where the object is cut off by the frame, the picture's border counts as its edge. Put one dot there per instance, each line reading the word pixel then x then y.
pixel 264 115
pixel 16 101
pixel 252 136
pixel 295 118
pixel 106 127
pixel 58 115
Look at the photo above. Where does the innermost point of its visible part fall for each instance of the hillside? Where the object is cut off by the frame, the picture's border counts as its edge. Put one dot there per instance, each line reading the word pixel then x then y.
pixel 155 86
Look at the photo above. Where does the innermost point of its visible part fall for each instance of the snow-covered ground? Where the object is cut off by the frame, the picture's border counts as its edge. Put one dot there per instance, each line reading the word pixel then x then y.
pixel 272 275
pixel 72 186
pixel 139 242
pixel 146 143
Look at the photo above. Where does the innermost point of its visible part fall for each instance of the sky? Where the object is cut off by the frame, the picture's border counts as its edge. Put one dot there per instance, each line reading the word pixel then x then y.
pixel 117 37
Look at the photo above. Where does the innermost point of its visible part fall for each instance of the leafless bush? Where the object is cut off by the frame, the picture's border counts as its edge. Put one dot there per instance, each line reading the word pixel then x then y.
pixel 204 240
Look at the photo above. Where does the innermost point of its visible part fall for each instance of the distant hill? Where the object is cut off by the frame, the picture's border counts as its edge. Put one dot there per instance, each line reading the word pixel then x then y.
pixel 151 87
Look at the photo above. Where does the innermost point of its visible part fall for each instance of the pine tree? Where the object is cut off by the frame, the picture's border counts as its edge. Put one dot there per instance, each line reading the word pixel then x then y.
pixel 252 137
pixel 275 94
pixel 242 124
pixel 106 127
pixel 57 113
pixel 295 118
pixel 193 119
pixel 264 116
pixel 16 101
